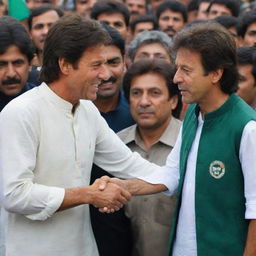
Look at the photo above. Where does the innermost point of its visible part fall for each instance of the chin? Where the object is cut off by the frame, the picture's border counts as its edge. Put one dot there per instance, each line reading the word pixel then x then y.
pixel 91 97
pixel 12 92
pixel 146 126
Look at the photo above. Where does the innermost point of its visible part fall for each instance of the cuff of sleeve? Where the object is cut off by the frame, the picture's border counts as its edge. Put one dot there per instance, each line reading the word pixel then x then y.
pixel 54 200
pixel 250 212
pixel 163 176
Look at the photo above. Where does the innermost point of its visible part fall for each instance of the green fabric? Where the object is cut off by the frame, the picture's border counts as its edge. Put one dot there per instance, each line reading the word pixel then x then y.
pixel 219 195
pixel 18 9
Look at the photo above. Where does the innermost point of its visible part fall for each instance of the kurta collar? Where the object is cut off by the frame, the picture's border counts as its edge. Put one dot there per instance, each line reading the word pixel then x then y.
pixel 55 99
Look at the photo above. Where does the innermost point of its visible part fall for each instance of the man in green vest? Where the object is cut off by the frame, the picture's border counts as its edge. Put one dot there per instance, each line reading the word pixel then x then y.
pixel 216 150
pixel 214 155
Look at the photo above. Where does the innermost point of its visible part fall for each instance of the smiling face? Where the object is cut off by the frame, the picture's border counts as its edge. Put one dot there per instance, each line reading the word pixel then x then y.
pixel 115 63
pixel 82 80
pixel 14 68
pixel 150 103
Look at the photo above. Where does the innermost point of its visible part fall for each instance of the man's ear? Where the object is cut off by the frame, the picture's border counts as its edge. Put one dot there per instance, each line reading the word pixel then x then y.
pixel 174 101
pixel 216 75
pixel 64 66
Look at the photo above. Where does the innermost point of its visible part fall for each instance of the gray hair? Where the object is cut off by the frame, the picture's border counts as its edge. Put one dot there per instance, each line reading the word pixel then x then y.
pixel 150 37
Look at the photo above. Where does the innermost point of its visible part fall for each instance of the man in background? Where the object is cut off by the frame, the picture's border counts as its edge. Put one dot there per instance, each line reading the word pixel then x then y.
pixel 16 54
pixel 150 44
pixel 114 14
pixel 39 22
pixel 84 7
pixel 247 28
pixel 155 104
pixel 112 231
pixel 247 75
pixel 223 8
pixel 142 23
pixel 136 7
pixel 172 17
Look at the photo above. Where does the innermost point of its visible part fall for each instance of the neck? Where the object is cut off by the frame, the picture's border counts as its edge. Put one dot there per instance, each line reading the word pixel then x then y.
pixel 107 104
pixel 152 135
pixel 253 104
pixel 40 58
pixel 212 102
pixel 58 88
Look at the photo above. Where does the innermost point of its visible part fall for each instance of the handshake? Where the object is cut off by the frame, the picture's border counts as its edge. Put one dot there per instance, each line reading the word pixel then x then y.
pixel 110 194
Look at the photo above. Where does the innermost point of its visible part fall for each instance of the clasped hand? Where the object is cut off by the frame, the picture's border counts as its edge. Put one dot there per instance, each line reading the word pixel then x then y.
pixel 110 194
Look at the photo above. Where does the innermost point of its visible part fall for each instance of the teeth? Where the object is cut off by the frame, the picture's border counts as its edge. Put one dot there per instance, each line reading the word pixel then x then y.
pixel 108 83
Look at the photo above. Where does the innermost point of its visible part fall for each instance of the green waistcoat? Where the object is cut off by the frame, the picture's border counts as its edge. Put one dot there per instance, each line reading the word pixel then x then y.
pixel 221 228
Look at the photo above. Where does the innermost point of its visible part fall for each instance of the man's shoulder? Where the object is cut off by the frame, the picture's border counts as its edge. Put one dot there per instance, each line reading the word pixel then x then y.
pixel 25 101
pixel 88 106
pixel 128 134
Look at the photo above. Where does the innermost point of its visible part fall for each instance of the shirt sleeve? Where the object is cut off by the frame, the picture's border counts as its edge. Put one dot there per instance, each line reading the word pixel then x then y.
pixel 247 155
pixel 172 164
pixel 112 155
pixel 19 140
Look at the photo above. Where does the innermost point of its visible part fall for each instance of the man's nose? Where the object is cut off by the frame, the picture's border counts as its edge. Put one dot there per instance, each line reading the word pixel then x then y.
pixel 144 100
pixel 105 72
pixel 10 72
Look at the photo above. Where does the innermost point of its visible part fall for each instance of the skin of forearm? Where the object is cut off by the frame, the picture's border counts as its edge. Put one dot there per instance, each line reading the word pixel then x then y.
pixel 139 187
pixel 250 248
pixel 112 197
pixel 74 197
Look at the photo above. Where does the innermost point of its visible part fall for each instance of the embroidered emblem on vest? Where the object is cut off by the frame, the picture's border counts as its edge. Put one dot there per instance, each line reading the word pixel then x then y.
pixel 217 169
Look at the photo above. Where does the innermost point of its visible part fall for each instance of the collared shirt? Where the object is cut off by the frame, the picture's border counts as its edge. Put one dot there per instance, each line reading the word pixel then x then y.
pixel 160 150
pixel 151 215
pixel 120 117
pixel 45 148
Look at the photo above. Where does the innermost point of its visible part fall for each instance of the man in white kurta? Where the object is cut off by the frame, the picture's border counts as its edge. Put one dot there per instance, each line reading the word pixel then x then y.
pixel 49 139
pixel 44 149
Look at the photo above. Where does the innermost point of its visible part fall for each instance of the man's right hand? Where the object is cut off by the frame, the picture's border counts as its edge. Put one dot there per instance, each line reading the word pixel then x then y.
pixel 112 198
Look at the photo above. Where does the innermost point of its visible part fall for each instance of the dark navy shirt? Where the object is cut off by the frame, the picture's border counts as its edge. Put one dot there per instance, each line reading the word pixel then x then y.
pixel 5 99
pixel 119 118
pixel 113 232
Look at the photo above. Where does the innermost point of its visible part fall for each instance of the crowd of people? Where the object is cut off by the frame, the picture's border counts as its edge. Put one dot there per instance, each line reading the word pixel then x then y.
pixel 128 128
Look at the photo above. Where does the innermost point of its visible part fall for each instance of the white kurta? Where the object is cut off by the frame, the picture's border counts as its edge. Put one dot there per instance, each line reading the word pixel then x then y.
pixel 44 148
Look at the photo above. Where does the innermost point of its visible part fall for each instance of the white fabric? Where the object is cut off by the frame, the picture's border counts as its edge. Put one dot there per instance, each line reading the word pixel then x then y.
pixel 185 243
pixel 44 148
